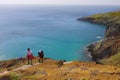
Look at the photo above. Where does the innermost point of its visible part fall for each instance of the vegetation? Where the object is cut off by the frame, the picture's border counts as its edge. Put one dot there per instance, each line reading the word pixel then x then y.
pixel 109 17
pixel 50 70
pixel 14 76
pixel 110 14
pixel 113 60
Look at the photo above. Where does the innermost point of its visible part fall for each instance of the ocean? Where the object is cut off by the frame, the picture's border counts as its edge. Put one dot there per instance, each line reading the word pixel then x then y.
pixel 53 29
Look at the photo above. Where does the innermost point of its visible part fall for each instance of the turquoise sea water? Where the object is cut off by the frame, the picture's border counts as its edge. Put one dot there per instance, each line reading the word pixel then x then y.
pixel 54 29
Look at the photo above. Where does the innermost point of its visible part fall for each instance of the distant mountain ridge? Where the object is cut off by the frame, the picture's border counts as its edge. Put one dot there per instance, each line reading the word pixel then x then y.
pixel 106 51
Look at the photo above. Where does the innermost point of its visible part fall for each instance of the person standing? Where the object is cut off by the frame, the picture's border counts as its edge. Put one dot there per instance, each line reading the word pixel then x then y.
pixel 29 56
pixel 41 56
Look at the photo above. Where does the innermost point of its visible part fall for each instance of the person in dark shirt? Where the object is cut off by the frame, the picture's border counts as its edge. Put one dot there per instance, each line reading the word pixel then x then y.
pixel 41 56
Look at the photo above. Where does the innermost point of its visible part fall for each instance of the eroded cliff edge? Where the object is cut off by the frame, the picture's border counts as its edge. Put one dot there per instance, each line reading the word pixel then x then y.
pixel 106 51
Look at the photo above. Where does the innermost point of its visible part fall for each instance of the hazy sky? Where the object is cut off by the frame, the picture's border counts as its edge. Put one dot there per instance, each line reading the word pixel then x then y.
pixel 64 2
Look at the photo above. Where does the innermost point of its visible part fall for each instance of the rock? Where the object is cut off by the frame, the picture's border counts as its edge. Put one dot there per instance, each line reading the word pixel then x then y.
pixel 60 63
pixel 110 45
pixel 42 72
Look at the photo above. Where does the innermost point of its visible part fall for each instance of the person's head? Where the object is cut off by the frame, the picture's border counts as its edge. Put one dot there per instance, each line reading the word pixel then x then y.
pixel 28 49
pixel 40 50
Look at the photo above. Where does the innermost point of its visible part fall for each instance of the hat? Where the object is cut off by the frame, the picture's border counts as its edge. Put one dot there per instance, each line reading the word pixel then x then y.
pixel 40 50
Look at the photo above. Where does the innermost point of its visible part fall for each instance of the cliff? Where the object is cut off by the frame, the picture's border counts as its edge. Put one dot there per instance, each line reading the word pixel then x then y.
pixel 17 69
pixel 106 51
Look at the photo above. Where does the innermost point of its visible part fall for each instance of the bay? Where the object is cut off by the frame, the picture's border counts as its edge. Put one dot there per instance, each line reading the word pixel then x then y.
pixel 53 29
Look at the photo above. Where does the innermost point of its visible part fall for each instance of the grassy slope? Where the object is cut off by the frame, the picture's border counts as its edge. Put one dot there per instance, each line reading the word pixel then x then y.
pixel 113 60
pixel 51 70
pixel 111 16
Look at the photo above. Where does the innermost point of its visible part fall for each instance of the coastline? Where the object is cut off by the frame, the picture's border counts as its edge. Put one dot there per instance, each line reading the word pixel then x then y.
pixel 89 51
pixel 106 51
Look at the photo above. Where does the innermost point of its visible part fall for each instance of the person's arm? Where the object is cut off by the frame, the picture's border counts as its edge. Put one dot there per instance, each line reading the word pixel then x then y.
pixel 43 54
pixel 38 54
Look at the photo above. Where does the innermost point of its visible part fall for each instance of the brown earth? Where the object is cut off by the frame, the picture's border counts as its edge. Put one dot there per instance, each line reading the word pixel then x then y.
pixel 58 70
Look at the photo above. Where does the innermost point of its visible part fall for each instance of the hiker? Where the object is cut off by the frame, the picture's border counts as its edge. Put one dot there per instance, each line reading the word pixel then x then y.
pixel 40 56
pixel 29 56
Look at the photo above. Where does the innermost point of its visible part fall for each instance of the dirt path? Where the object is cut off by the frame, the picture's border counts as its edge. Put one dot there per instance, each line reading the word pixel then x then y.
pixel 23 67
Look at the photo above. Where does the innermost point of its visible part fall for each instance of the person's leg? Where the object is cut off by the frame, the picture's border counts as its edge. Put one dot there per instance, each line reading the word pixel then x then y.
pixel 31 61
pixel 42 60
pixel 39 59
pixel 28 61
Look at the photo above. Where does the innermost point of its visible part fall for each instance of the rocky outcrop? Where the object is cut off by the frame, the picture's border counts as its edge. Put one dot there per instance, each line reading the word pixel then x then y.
pixel 110 45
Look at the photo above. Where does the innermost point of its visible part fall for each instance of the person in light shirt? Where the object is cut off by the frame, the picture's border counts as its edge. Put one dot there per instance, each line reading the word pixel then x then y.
pixel 29 56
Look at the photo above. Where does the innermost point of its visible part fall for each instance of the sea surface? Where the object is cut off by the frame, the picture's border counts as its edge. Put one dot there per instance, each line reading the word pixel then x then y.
pixel 53 29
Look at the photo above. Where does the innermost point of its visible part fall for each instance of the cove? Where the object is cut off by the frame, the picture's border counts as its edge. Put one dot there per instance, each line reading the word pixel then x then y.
pixel 54 29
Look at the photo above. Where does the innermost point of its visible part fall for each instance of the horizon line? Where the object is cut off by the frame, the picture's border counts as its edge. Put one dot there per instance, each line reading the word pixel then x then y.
pixel 64 4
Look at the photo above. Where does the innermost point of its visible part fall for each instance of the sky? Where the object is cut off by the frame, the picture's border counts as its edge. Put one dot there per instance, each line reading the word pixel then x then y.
pixel 63 2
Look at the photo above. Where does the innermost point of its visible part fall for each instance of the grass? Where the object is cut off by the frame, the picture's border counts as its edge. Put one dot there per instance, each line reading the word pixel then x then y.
pixel 110 14
pixel 14 76
pixel 108 17
pixel 84 79
pixel 113 60
pixel 72 71
pixel 114 14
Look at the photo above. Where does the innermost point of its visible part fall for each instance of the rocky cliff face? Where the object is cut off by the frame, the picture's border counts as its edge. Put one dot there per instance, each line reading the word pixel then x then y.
pixel 107 50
